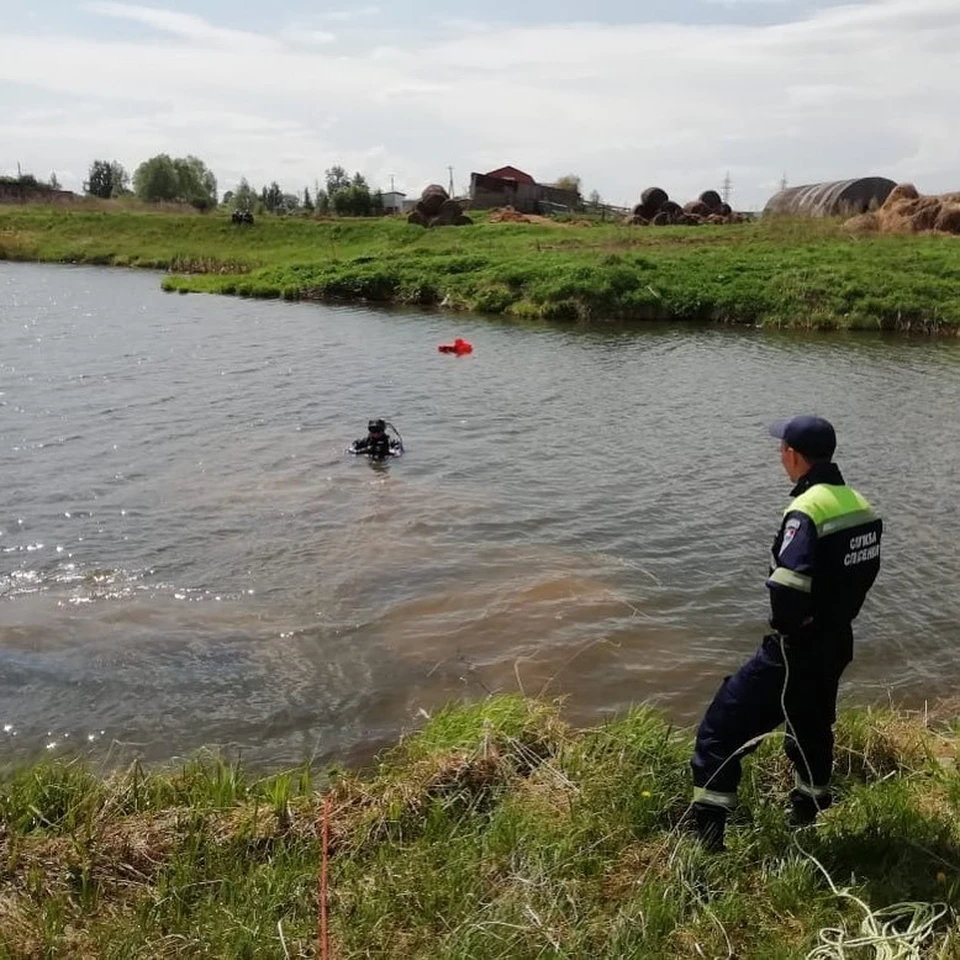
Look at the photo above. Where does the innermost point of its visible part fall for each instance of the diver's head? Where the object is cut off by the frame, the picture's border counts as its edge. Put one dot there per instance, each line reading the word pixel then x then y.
pixel 376 428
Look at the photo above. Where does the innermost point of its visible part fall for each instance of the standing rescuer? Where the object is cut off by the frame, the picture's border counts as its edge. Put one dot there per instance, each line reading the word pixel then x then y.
pixel 826 556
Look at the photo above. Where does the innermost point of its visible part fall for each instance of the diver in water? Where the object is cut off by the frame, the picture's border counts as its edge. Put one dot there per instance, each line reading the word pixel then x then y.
pixel 378 444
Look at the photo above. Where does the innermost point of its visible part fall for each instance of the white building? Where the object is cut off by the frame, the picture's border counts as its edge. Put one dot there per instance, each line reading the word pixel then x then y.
pixel 393 201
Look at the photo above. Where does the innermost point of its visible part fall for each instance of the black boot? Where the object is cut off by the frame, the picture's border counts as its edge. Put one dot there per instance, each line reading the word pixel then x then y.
pixel 709 823
pixel 804 808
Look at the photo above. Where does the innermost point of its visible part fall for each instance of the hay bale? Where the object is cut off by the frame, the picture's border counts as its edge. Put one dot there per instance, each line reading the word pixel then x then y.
pixel 926 213
pixel 949 219
pixel 863 223
pixel 697 208
pixel 689 220
pixel 652 199
pixel 432 199
pixel 725 210
pixel 508 215
pixel 662 219
pixel 415 216
pixel 672 209
pixel 450 211
pixel 712 200
pixel 897 218
pixel 463 221
pixel 902 191
pixel 717 219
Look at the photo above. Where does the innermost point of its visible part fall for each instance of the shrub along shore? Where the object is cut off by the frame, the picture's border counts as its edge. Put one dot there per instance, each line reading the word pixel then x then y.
pixel 496 831
pixel 803 274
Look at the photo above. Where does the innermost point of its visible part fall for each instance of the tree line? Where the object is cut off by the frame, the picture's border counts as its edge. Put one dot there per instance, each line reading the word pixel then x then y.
pixel 188 180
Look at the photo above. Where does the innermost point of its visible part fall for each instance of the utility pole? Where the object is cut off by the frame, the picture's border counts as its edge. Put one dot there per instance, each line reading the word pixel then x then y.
pixel 727 186
pixel 390 175
pixel 783 181
pixel 450 170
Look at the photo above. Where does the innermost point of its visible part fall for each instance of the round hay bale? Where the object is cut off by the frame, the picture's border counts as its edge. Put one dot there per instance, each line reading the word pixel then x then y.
pixel 415 216
pixel 899 219
pixel 432 199
pixel 463 221
pixel 902 191
pixel 697 208
pixel 638 210
pixel 450 211
pixel 662 219
pixel 949 219
pixel 712 199
pixel 689 220
pixel 927 212
pixel 950 197
pixel 652 199
pixel 863 223
pixel 725 210
pixel 717 219
pixel 672 209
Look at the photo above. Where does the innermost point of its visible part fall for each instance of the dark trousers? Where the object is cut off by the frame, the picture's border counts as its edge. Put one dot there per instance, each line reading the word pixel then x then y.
pixel 750 703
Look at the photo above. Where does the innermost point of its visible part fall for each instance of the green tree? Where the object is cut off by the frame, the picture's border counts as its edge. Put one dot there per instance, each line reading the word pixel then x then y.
pixel 289 203
pixel 272 197
pixel 54 182
pixel 570 182
pixel 376 205
pixel 307 201
pixel 184 180
pixel 156 180
pixel 197 184
pixel 106 179
pixel 337 179
pixel 244 197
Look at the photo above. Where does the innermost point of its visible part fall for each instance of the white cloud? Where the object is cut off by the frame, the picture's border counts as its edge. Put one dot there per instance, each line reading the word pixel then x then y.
pixel 846 91
pixel 182 25
pixel 343 16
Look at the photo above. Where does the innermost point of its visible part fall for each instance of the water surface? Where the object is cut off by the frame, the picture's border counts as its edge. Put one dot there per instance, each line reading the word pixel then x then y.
pixel 188 558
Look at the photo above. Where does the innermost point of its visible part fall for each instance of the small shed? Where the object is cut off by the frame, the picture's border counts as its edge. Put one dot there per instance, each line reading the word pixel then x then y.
pixel 838 198
pixel 393 201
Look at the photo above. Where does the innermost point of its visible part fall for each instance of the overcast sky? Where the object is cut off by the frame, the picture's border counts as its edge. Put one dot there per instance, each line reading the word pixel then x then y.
pixel 625 94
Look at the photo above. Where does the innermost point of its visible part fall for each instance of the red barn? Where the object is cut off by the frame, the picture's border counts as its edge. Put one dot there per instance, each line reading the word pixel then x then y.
pixel 511 173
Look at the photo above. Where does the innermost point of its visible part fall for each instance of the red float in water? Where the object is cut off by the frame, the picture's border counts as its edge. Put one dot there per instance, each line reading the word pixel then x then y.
pixel 459 347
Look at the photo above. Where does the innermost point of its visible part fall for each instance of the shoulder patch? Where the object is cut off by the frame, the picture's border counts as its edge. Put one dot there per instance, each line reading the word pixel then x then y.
pixel 789 532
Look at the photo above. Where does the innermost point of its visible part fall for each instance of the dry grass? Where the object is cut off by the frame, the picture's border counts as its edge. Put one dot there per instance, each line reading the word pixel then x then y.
pixel 495 832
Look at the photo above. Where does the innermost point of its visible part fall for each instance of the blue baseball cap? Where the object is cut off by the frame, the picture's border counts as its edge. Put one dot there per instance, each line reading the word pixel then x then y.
pixel 813 437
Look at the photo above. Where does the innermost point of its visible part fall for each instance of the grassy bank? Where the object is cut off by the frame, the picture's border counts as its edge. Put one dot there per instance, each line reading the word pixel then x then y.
pixel 495 832
pixel 807 274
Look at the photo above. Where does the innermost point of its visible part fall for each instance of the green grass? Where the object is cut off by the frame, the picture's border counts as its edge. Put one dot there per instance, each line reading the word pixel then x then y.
pixel 807 274
pixel 495 832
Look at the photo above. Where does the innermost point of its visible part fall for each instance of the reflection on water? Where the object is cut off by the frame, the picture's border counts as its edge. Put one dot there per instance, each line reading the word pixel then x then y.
pixel 187 556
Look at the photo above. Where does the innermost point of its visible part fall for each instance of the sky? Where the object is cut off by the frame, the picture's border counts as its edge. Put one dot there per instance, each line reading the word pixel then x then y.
pixel 673 93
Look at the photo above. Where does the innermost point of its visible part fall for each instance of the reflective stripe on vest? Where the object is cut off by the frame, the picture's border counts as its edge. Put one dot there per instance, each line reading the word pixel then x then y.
pixel 714 798
pixel 792 579
pixel 815 793
pixel 833 508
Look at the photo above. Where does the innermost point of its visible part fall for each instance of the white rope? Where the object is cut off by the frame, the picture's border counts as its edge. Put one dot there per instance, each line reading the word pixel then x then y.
pixel 896 932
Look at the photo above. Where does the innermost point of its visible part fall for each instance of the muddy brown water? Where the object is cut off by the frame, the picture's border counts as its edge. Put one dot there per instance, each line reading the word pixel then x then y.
pixel 188 558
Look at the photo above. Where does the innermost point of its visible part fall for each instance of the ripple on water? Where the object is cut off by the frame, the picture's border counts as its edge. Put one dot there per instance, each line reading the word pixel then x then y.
pixel 188 558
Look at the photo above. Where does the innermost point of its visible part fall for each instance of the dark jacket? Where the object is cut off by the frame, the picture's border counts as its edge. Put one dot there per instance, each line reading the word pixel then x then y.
pixel 826 556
